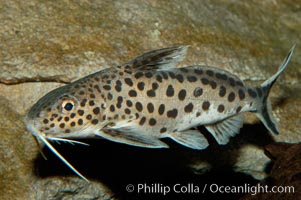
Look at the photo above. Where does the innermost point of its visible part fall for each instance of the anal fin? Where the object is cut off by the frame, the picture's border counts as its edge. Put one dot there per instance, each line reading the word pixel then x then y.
pixel 190 138
pixel 129 136
pixel 225 129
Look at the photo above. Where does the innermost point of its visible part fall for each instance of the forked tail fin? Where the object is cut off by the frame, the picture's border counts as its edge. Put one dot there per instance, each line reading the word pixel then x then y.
pixel 265 112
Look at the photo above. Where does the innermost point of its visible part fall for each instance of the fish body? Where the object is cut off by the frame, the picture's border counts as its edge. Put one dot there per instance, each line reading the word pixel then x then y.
pixel 147 99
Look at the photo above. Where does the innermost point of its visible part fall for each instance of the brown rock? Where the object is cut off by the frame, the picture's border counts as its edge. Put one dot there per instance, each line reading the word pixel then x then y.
pixel 285 173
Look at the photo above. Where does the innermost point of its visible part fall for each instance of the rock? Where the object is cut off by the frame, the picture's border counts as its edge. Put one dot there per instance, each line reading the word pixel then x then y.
pixel 47 44
pixel 285 173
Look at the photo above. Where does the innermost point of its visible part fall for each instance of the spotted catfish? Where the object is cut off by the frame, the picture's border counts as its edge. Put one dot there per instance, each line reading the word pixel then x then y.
pixel 147 99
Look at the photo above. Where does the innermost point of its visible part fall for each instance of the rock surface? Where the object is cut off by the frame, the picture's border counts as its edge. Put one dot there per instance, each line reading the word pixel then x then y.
pixel 45 44
pixel 285 173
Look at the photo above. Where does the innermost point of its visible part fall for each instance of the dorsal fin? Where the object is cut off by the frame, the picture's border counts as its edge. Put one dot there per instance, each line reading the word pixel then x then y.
pixel 159 59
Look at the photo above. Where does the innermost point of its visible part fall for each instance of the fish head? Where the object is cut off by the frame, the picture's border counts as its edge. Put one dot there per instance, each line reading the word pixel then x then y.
pixel 63 113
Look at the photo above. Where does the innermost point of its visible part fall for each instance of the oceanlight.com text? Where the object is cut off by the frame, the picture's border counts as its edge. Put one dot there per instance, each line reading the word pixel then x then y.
pixel 191 188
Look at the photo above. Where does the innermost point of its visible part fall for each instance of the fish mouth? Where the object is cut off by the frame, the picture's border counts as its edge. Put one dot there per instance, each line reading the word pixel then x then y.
pixel 42 138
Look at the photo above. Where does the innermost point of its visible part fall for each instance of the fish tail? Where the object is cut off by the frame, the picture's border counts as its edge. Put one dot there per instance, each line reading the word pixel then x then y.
pixel 264 113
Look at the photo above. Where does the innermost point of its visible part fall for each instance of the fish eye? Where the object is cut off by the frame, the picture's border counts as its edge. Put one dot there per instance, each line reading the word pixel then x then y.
pixel 67 105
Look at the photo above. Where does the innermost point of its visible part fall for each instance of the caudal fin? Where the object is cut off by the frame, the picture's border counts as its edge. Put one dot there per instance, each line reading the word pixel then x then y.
pixel 265 112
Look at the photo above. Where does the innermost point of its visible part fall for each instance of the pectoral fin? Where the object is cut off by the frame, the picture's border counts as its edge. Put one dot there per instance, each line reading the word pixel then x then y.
pixel 190 138
pixel 225 129
pixel 130 136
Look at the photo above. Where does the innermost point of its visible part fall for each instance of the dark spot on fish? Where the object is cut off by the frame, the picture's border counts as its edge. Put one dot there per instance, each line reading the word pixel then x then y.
pixel 151 93
pixel 140 86
pixel 138 75
pixel 188 108
pixel 103 106
pixel 213 84
pixel 150 107
pixel 142 121
pixel 72 115
pixel 252 93
pixel 112 108
pixel 137 115
pixel 238 109
pixel 221 108
pixel 72 124
pixel 110 96
pixel 159 78
pixel 97 88
pixel 161 109
pixel 105 76
pixel 231 97
pixel 221 76
pixel 152 121
pixel 139 106
pixel 209 72
pixel 198 71
pixel 94 121
pixel 80 112
pixel 172 75
pixel 52 125
pixel 180 78
pixel 83 102
pixel 119 101
pixel 182 94
pixel 45 121
pixel 66 119
pixel 163 130
pixel 127 111
pixel 198 114
pixel 118 86
pixel 241 94
pixel 89 117
pixel 206 105
pixel 165 76
pixel 59 119
pixel 132 93
pixel 155 86
pixel 91 103
pixel 128 81
pixel 129 103
pixel 172 113
pixel 106 87
pixel 184 70
pixel 67 131
pixel 170 91
pixel 191 79
pixel 96 110
pixel 80 122
pixel 205 81
pixel 232 82
pixel 148 74
pixel 197 92
pixel 81 92
pixel 62 125
pixel 222 91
